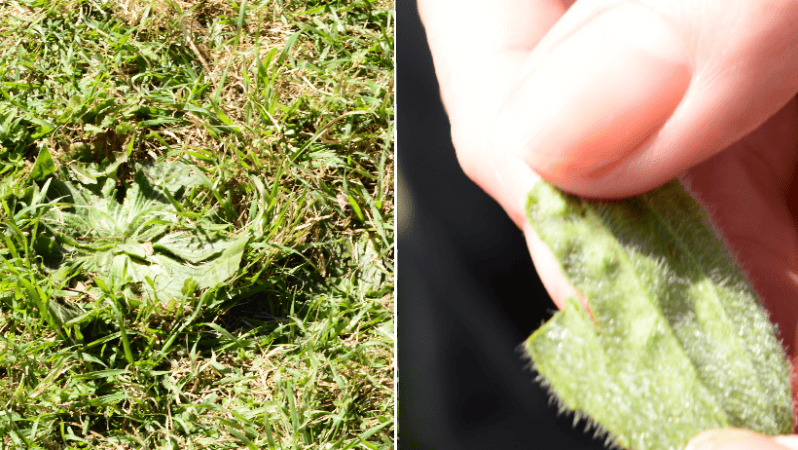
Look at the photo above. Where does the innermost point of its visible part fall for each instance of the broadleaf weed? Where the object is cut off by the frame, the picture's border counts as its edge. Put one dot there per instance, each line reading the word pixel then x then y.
pixel 207 142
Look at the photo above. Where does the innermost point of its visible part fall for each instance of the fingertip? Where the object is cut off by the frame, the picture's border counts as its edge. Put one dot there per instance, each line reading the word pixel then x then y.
pixel 592 101
pixel 548 269
pixel 790 442
pixel 734 439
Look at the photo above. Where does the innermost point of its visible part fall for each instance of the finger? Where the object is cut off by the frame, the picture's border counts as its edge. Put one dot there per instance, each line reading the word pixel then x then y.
pixel 666 85
pixel 597 96
pixel 734 439
pixel 790 442
pixel 477 47
pixel 744 189
pixel 548 269
pixel 463 33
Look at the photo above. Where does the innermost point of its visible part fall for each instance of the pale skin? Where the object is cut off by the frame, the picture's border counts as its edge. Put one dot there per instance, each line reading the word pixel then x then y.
pixel 611 98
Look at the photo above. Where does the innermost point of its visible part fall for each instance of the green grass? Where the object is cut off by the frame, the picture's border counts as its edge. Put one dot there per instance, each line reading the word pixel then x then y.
pixel 196 233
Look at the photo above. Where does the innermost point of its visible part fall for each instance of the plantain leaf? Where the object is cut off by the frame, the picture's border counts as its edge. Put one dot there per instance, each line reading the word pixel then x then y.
pixel 674 341
pixel 43 167
pixel 139 240
pixel 193 248
pixel 88 173
pixel 174 175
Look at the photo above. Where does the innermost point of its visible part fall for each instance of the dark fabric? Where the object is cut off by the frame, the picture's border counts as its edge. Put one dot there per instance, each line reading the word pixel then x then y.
pixel 468 293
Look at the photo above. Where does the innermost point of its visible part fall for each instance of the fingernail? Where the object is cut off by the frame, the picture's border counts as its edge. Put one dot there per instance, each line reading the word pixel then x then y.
pixel 598 95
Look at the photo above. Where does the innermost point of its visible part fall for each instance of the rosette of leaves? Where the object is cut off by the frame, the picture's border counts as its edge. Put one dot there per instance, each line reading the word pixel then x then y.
pixel 673 340
pixel 144 238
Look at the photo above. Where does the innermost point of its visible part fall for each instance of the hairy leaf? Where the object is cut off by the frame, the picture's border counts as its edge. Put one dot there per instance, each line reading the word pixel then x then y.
pixel 140 241
pixel 44 165
pixel 674 341
pixel 88 173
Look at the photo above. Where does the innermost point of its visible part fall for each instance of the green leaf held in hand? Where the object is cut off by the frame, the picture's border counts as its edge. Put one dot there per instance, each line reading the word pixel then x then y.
pixel 674 341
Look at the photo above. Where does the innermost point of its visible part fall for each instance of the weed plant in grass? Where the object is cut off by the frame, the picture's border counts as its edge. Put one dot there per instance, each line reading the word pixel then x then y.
pixel 196 233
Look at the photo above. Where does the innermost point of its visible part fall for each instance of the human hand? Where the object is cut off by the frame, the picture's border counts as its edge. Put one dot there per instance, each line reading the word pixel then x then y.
pixel 738 439
pixel 614 98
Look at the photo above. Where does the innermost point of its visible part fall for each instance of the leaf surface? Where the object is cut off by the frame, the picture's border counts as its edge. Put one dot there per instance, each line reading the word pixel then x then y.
pixel 140 241
pixel 44 165
pixel 675 341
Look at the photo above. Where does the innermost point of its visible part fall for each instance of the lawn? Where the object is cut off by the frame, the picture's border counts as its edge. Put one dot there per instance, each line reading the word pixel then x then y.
pixel 197 215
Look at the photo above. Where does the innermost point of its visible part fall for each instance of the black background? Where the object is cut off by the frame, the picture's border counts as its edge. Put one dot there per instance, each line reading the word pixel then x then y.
pixel 467 291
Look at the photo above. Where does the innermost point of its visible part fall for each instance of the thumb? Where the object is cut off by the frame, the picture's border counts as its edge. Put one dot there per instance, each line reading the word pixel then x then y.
pixel 739 439
pixel 584 104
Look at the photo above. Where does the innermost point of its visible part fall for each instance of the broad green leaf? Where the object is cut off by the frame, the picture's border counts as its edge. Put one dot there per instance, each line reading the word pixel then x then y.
pixel 174 175
pixel 92 129
pixel 83 173
pixel 88 173
pixel 132 249
pixel 61 313
pixel 170 275
pixel 43 167
pixel 140 241
pixel 193 248
pixel 674 342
